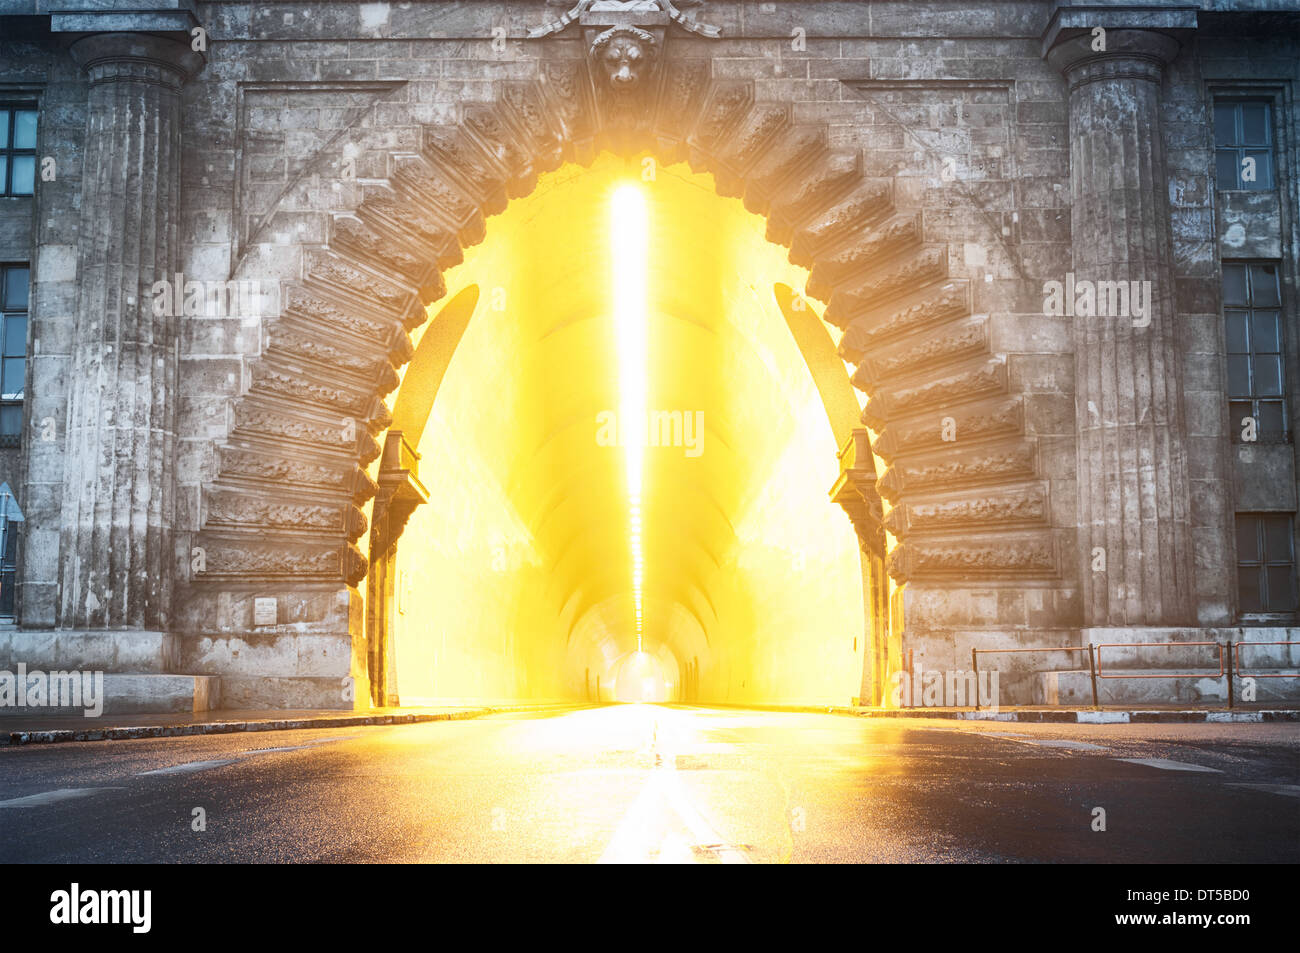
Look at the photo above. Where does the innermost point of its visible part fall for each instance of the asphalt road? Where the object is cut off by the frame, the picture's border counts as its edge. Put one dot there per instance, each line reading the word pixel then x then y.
pixel 664 784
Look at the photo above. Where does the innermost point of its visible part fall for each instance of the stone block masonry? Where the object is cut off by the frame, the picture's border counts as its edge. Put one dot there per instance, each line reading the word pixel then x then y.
pixel 1028 478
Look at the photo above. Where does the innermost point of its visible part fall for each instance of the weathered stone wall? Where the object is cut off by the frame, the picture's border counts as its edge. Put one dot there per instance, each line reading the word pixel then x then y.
pixel 971 135
pixel 303 111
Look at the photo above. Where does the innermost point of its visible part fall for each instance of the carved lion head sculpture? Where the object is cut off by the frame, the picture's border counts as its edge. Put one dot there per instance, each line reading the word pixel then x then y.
pixel 626 54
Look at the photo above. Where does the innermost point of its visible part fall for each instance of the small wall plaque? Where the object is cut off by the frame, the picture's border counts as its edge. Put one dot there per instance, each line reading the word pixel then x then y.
pixel 264 611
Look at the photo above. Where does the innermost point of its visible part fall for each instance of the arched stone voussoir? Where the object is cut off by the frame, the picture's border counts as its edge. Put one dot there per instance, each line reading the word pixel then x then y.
pixel 382 250
pixel 934 393
pixel 970 468
pixel 366 243
pixel 268 465
pixel 726 106
pixel 524 105
pixel 1009 506
pixel 818 188
pixel 788 156
pixel 380 418
pixel 343 322
pixel 401 215
pixel 994 418
pixel 972 558
pixel 515 153
pixel 426 184
pixel 468 162
pixel 242 507
pixel 379 290
pixel 266 555
pixel 883 284
pixel 861 252
pixel 845 221
pixel 934 308
pixel 920 354
pixel 297 337
pixel 339 395
pixel 400 354
pixel 755 133
pixel 684 87
pixel 304 430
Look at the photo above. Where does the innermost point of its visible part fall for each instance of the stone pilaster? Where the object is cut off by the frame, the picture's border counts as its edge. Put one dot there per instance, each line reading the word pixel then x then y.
pixel 1133 499
pixel 116 558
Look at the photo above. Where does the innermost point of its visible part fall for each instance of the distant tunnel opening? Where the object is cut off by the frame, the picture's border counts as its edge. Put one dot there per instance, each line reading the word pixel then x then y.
pixel 515 574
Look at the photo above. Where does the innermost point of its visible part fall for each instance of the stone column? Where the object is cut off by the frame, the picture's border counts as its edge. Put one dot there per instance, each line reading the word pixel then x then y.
pixel 115 553
pixel 1133 499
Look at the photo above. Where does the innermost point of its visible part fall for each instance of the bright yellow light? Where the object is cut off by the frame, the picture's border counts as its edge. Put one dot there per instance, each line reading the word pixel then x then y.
pixel 513 563
pixel 640 677
pixel 628 227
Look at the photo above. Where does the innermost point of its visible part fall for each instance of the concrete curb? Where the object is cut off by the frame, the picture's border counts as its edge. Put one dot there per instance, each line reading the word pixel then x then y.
pixel 1101 717
pixel 57 735
pixel 1069 716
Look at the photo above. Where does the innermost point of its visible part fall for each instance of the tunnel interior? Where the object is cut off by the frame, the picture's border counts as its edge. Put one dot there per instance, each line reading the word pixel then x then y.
pixel 627 455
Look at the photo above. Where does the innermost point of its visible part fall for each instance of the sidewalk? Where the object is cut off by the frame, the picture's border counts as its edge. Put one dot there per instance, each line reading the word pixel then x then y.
pixel 26 730
pixel 1103 715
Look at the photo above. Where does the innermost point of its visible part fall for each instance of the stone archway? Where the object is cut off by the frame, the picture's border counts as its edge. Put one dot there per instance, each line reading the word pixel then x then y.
pixel 285 508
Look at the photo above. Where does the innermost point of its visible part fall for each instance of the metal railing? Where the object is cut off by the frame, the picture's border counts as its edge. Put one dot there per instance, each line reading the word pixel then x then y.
pixel 975 665
pixel 1109 645
pixel 1228 654
pixel 1234 654
pixel 1236 659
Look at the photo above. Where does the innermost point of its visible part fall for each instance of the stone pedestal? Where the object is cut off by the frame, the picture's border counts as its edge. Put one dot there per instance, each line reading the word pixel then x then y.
pixel 116 558
pixel 1133 500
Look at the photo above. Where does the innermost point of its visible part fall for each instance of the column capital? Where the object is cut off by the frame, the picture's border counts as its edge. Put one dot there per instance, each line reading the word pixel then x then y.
pixel 1128 54
pixel 140 57
pixel 1139 41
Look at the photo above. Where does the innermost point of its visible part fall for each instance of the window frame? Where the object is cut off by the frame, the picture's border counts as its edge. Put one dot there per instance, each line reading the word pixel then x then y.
pixel 15 439
pixel 1239 147
pixel 1265 613
pixel 1250 308
pixel 11 108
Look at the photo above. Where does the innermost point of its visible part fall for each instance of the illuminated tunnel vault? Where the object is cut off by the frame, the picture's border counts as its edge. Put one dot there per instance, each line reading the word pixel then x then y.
pixel 514 580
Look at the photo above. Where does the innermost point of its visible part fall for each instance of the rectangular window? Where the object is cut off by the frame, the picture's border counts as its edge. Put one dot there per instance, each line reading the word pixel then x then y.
pixel 14 295
pixel 1252 320
pixel 1265 563
pixel 9 529
pixel 17 149
pixel 1243 144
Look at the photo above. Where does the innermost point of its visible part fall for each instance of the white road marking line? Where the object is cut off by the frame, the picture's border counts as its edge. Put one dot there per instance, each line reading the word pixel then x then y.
pixel 1166 765
pixel 188 768
pixel 704 834
pixel 635 839
pixel 1046 742
pixel 53 797
pixel 631 841
pixel 1063 743
pixel 1287 790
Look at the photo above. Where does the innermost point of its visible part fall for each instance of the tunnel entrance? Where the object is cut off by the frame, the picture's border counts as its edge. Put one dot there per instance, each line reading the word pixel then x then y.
pixel 608 468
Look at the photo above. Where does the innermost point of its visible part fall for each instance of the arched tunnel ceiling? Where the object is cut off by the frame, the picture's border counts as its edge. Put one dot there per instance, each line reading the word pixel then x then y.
pixel 537 364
